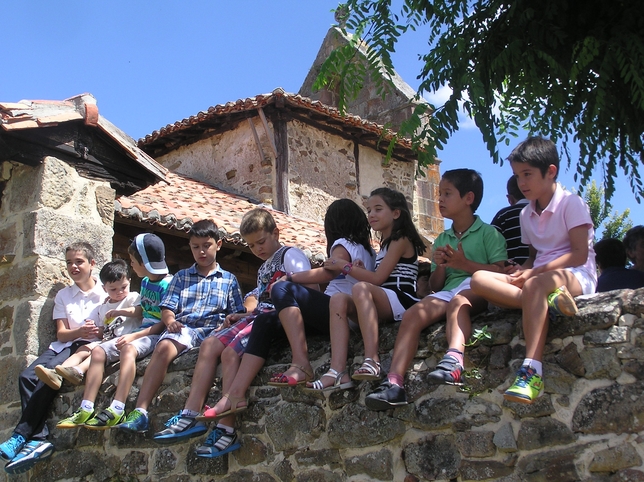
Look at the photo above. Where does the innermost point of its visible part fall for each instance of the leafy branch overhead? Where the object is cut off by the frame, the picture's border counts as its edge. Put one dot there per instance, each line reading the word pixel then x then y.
pixel 570 71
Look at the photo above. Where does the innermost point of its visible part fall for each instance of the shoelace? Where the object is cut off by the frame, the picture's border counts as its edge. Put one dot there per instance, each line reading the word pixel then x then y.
pixel 15 442
pixel 173 421
pixel 215 435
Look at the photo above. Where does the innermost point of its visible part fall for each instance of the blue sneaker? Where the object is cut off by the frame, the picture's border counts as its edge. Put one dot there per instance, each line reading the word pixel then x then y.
pixel 180 428
pixel 218 443
pixel 135 422
pixel 33 452
pixel 13 445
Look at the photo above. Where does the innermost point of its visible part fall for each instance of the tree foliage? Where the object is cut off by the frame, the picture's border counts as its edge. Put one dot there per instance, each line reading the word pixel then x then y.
pixel 615 224
pixel 572 71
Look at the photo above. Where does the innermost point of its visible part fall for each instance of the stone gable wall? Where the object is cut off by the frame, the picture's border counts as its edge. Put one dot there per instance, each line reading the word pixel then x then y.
pixel 587 426
pixel 42 210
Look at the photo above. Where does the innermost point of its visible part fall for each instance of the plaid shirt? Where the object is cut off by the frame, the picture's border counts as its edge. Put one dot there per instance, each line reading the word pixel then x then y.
pixel 202 302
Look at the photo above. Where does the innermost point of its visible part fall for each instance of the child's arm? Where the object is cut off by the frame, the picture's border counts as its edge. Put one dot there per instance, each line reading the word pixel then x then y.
pixel 168 319
pixel 395 251
pixel 155 329
pixel 86 331
pixel 250 303
pixel 133 311
pixel 576 257
pixel 455 258
pixel 322 275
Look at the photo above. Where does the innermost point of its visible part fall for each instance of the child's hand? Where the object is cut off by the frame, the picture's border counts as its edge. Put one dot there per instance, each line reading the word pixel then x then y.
pixel 439 256
pixel 511 267
pixel 174 327
pixel 358 264
pixel 231 320
pixel 121 341
pixel 113 314
pixel 334 265
pixel 89 330
pixel 455 258
pixel 519 277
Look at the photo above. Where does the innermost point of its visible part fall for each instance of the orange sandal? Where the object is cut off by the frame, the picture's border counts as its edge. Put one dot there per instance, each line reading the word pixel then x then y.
pixel 211 414
pixel 281 380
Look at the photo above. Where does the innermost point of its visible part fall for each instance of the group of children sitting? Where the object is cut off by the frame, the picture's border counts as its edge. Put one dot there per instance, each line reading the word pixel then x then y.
pixel 202 306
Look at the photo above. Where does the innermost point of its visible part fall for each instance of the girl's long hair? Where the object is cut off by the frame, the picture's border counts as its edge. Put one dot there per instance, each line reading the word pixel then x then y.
pixel 345 219
pixel 403 226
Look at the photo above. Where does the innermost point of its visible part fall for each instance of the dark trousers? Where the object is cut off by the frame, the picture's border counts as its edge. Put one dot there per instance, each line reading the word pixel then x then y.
pixel 36 397
pixel 267 328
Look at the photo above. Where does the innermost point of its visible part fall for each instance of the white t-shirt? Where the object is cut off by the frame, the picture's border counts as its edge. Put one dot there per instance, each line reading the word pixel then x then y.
pixel 76 306
pixel 120 325
pixel 343 283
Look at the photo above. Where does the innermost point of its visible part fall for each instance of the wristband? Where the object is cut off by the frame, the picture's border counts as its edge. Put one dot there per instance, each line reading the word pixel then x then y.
pixel 346 269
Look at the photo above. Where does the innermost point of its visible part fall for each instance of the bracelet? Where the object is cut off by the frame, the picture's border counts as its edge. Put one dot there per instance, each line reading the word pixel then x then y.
pixel 289 276
pixel 346 269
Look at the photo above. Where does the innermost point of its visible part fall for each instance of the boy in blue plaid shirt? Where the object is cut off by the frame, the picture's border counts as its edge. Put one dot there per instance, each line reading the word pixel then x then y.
pixel 197 302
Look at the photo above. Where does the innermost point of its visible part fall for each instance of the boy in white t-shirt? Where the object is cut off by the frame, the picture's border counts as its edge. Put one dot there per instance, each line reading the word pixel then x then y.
pixel 557 227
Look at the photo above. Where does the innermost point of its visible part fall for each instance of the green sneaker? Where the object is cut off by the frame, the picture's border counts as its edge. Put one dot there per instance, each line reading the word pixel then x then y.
pixel 107 418
pixel 527 387
pixel 561 302
pixel 78 418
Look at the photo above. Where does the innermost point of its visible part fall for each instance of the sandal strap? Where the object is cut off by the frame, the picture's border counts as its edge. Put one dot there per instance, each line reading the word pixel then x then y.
pixel 234 401
pixel 308 373
pixel 370 366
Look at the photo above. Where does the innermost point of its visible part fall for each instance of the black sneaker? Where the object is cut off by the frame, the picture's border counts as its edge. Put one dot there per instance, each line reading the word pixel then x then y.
pixel 386 396
pixel 448 371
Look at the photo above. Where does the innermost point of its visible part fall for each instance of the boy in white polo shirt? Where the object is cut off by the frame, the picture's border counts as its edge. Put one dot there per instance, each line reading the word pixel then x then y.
pixel 557 227
pixel 74 309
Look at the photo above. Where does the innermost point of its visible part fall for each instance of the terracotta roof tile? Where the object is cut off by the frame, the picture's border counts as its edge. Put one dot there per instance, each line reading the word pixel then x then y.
pixel 182 201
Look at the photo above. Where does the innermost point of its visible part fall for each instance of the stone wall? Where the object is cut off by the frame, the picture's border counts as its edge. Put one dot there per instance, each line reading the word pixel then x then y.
pixel 42 210
pixel 587 426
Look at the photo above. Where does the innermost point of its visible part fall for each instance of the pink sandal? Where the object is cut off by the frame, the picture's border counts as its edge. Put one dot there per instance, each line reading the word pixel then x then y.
pixel 281 380
pixel 211 414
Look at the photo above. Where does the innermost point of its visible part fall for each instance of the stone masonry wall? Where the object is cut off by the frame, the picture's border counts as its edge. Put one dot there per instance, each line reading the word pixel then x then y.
pixel 588 425
pixel 42 210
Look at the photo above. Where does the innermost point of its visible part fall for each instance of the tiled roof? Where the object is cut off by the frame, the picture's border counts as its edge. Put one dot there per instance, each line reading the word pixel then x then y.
pixel 180 201
pixel 185 131
pixel 31 114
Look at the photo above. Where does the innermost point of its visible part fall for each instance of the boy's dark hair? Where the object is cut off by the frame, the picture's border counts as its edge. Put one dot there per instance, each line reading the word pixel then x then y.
pixel 424 269
pixel 513 189
pixel 114 271
pixel 466 180
pixel 206 228
pixel 632 237
pixel 345 219
pixel 610 253
pixel 132 251
pixel 403 226
pixel 536 152
pixel 255 220
pixel 83 247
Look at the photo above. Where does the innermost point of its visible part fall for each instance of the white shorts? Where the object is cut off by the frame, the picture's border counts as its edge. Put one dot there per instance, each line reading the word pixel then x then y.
pixel 586 280
pixel 447 295
pixel 187 337
pixel 144 346
pixel 396 306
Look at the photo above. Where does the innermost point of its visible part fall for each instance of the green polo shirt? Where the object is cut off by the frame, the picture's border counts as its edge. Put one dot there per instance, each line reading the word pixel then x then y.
pixel 482 243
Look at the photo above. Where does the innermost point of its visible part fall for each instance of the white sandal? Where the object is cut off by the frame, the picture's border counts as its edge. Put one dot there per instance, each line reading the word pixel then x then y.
pixel 318 386
pixel 369 370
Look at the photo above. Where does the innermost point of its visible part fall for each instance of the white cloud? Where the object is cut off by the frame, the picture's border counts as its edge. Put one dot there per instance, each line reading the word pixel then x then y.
pixel 439 97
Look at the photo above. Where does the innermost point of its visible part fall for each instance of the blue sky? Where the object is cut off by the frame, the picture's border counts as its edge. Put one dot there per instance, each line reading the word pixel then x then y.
pixel 151 63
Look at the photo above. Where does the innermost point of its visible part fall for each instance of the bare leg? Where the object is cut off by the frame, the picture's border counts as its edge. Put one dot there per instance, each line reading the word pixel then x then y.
pixel 424 313
pixel 165 351
pixel 127 372
pixel 293 325
pixel 77 358
pixel 372 306
pixel 95 373
pixel 230 363
pixel 496 288
pixel 248 369
pixel 459 315
pixel 535 307
pixel 204 374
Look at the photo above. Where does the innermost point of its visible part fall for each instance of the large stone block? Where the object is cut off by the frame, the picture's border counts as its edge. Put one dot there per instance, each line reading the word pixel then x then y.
pixel 59 182
pixel 355 426
pixel 614 409
pixel 614 458
pixel 34 328
pixel 18 282
pixel 22 191
pixel 48 233
pixel 435 458
pixel 8 238
pixel 10 367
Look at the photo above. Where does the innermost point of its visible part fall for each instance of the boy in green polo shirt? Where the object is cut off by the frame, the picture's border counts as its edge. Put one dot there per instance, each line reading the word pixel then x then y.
pixel 468 246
